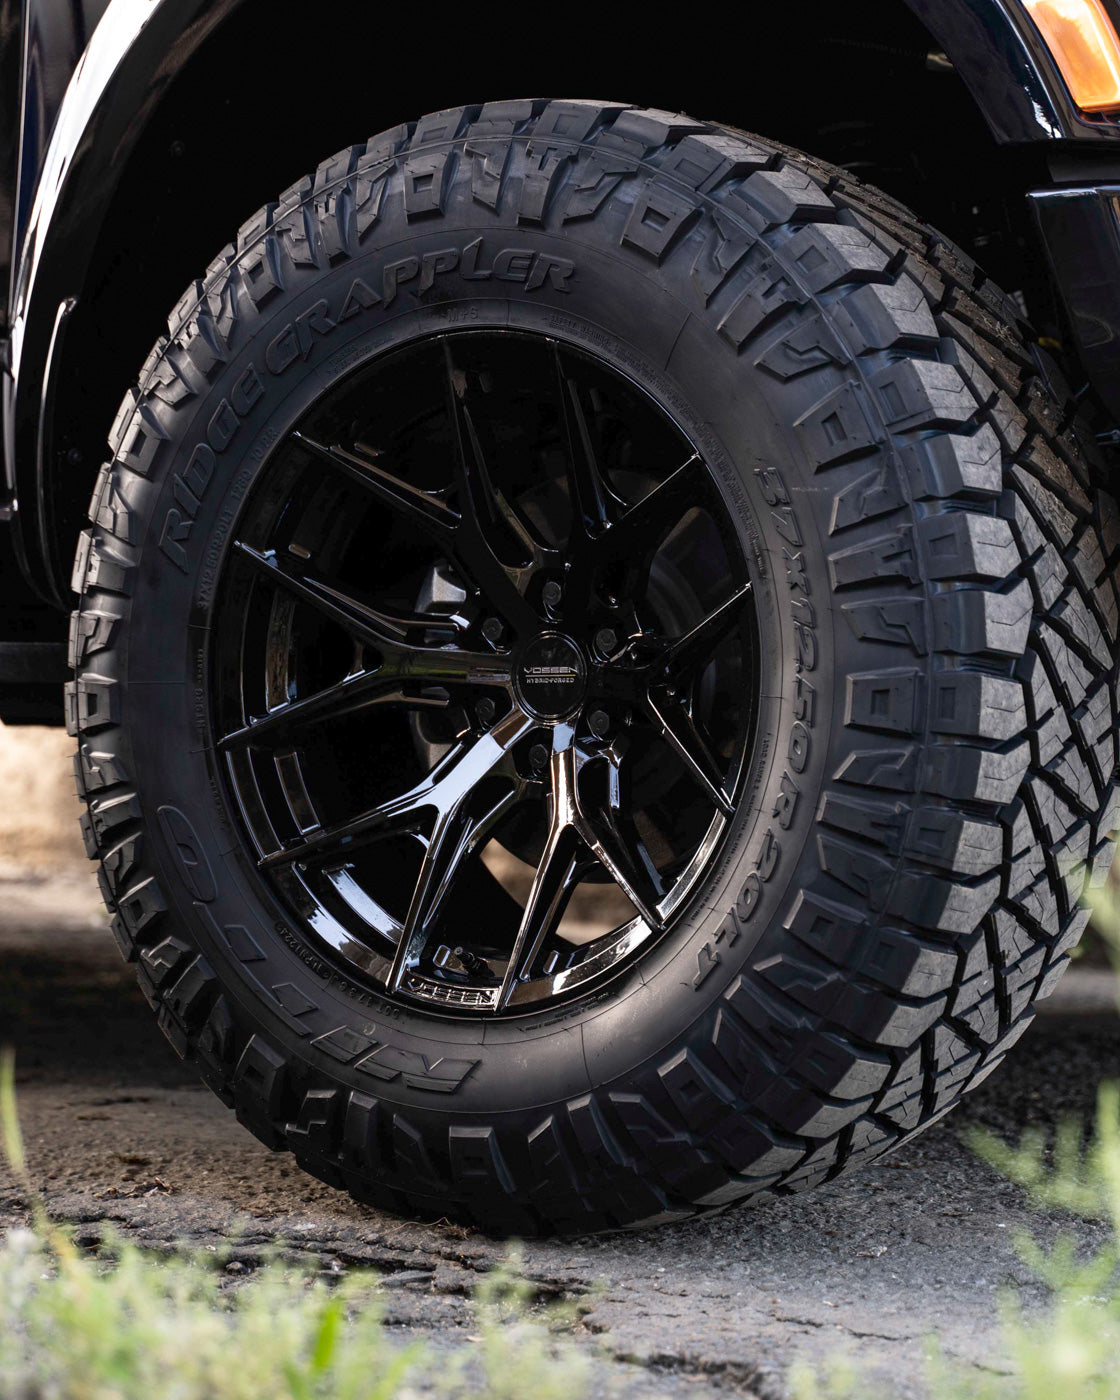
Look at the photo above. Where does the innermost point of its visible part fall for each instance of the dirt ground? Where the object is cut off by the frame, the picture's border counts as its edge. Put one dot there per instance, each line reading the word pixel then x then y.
pixel 119 1131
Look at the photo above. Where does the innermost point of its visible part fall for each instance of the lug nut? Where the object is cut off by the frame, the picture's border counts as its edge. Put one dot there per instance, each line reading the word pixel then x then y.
pixel 606 640
pixel 551 594
pixel 538 757
pixel 599 722
pixel 492 630
pixel 485 710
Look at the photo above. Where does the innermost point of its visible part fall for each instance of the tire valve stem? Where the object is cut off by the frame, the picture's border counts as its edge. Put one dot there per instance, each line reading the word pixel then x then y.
pixel 471 961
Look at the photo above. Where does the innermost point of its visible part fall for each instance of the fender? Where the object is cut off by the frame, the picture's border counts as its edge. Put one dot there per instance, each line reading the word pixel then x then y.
pixel 138 47
pixel 135 49
pixel 1008 69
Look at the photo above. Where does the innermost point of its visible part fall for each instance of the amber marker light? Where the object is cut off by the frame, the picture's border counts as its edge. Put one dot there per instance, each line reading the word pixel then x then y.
pixel 1083 42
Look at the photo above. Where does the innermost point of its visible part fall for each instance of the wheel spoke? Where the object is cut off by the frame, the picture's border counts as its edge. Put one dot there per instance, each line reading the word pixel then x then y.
pixel 457 832
pixel 678 730
pixel 577 838
pixel 422 508
pixel 557 872
pixel 694 649
pixel 368 624
pixel 485 511
pixel 628 864
pixel 359 691
pixel 638 535
pixel 629 543
pixel 444 789
pixel 594 504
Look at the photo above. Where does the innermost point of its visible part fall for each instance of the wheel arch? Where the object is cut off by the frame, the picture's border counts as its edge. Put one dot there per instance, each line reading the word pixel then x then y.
pixel 197 111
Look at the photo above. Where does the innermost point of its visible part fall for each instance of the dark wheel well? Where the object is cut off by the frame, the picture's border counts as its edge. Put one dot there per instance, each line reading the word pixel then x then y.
pixel 260 101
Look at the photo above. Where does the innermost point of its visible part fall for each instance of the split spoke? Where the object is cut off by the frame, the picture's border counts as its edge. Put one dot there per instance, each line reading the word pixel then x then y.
pixel 373 626
pixel 421 508
pixel 557 872
pixel 459 830
pixel 445 789
pixel 484 509
pixel 680 732
pixel 577 838
pixel 646 523
pixel 692 651
pixel 359 691
pixel 594 504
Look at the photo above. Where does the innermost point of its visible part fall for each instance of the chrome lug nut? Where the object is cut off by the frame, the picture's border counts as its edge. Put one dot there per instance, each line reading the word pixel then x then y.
pixel 492 630
pixel 485 710
pixel 551 594
pixel 538 757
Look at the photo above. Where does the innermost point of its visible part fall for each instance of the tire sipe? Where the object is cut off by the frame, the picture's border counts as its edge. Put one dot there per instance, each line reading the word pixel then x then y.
pixel 830 712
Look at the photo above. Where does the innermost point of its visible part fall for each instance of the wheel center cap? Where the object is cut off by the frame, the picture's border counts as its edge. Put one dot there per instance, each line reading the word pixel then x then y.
pixel 551 676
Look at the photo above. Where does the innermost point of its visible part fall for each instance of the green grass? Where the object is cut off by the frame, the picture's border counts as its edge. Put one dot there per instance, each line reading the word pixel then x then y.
pixel 125 1325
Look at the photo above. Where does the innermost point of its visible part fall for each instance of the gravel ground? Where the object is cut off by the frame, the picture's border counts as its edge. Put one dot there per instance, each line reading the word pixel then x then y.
pixel 119 1131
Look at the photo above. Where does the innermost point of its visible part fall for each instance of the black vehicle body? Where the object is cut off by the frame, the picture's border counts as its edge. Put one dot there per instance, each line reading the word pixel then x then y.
pixel 106 129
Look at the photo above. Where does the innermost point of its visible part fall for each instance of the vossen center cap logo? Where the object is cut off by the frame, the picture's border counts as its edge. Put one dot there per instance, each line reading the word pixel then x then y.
pixel 551 676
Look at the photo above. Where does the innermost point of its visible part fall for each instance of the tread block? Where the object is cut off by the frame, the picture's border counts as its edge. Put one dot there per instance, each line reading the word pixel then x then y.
pixel 900 621
pixel 869 875
pixel 973 621
pixel 962 544
pixel 876 493
pixel 978 706
pixel 968 774
pixel 261 1070
pixel 780 196
pixel 1074 617
pixel 808 345
pixel 889 556
pixel 880 822
pixel 964 845
pixel 953 464
pixel 923 394
pixel 884 316
pixel 826 254
pixel 768 294
pixel 884 700
pixel 896 769
pixel 947 906
pixel 658 220
pixel 314 1127
pixel 476 1160
pixel 1052 516
pixel 837 427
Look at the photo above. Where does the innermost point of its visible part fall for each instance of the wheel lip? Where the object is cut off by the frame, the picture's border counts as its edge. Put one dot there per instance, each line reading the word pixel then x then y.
pixel 625 952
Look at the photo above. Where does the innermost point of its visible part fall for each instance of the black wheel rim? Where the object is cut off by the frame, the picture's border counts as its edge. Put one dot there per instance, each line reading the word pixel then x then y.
pixel 485 653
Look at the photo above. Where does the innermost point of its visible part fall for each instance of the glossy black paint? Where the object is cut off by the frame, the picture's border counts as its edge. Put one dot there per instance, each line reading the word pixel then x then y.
pixel 40 44
pixel 1080 230
pixel 1008 69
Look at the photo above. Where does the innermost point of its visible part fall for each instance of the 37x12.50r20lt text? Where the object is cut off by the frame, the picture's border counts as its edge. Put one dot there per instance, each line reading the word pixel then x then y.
pixel 595 663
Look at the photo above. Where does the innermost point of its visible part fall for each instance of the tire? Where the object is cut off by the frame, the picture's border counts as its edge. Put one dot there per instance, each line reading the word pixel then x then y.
pixel 932 777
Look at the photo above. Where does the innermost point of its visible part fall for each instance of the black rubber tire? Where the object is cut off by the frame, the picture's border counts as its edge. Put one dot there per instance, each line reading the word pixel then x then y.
pixel 936 576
